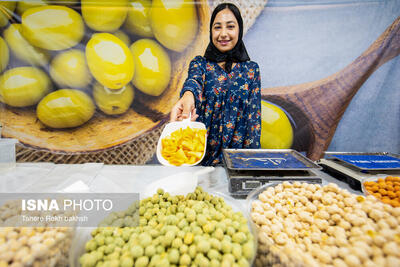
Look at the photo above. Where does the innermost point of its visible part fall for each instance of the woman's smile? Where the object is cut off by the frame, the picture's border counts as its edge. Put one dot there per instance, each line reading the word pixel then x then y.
pixel 224 42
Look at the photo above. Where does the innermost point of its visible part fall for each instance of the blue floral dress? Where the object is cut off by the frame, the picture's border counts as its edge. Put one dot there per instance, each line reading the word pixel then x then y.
pixel 228 104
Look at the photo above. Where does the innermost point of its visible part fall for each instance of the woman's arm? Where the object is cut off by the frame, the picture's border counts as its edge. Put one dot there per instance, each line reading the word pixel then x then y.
pixel 253 131
pixel 195 80
pixel 191 93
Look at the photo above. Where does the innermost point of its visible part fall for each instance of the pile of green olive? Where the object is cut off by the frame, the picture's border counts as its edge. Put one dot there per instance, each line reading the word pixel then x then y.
pixel 67 57
pixel 194 230
pixel 127 218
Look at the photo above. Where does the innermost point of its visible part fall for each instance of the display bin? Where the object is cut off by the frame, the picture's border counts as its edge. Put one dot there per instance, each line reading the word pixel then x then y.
pixel 33 243
pixel 391 191
pixel 84 234
pixel 337 229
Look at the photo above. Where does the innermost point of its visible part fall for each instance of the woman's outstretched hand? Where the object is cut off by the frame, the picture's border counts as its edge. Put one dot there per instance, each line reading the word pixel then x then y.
pixel 184 107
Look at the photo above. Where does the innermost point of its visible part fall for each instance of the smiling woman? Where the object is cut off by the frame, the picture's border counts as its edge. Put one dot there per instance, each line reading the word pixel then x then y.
pixel 222 89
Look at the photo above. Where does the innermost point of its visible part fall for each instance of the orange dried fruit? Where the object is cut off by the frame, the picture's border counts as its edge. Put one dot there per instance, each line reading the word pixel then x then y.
pixel 383 192
pixel 394 203
pixel 369 183
pixel 377 195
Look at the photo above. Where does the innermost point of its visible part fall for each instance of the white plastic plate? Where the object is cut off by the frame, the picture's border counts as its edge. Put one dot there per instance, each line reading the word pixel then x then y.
pixel 172 127
pixel 181 183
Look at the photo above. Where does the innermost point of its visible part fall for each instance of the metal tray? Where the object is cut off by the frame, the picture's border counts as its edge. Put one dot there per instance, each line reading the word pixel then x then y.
pixel 347 175
pixel 243 186
pixel 366 161
pixel 250 174
pixel 266 159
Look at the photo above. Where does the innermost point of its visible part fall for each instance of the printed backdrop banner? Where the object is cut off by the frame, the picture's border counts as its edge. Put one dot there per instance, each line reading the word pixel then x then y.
pixel 94 81
pixel 334 67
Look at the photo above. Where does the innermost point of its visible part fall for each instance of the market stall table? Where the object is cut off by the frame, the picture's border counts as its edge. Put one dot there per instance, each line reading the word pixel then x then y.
pixel 100 178
pixel 97 177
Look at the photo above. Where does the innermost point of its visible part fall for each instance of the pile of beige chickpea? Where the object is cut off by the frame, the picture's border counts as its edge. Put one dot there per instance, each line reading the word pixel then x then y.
pixel 302 224
pixel 23 245
pixel 30 246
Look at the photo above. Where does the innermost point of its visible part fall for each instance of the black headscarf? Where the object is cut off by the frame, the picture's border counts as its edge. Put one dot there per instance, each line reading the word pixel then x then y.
pixel 238 53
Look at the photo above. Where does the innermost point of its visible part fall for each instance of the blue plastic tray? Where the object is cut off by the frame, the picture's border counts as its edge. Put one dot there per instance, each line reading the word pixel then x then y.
pixel 266 159
pixel 368 161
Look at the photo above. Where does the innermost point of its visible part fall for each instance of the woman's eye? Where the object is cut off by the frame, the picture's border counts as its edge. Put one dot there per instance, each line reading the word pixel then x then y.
pixel 231 26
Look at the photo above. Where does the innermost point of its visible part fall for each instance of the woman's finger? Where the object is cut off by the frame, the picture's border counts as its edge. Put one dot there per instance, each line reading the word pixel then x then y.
pixel 187 104
pixel 187 109
pixel 194 117
pixel 175 112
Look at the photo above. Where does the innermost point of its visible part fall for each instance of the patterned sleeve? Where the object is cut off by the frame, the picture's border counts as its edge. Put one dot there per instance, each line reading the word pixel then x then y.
pixel 195 80
pixel 253 131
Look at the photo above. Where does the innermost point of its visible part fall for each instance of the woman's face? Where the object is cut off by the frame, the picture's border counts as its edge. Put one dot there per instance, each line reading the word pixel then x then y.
pixel 225 31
